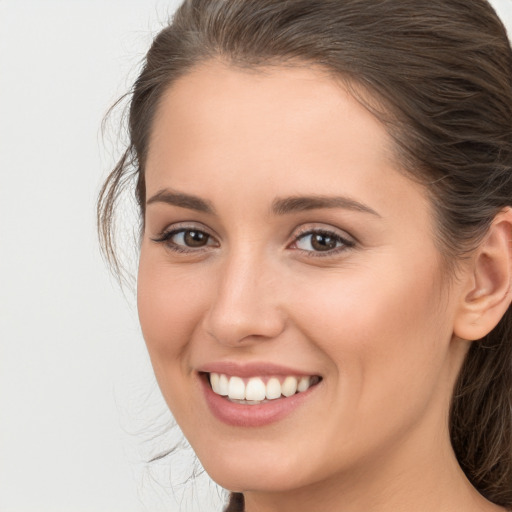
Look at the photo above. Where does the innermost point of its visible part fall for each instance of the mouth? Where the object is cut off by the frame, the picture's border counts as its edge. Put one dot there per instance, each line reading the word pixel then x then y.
pixel 259 390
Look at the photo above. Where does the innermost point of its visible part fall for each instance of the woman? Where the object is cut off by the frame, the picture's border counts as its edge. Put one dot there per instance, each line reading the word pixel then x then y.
pixel 325 259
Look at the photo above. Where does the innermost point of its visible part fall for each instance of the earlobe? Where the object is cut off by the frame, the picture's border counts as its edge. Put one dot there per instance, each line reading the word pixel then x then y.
pixel 488 292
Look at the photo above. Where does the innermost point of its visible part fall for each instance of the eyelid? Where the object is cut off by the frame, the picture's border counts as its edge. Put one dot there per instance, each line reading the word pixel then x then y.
pixel 164 237
pixel 322 228
pixel 348 241
pixel 184 226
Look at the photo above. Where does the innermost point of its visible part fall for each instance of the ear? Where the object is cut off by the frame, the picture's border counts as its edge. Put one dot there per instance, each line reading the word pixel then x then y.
pixel 487 282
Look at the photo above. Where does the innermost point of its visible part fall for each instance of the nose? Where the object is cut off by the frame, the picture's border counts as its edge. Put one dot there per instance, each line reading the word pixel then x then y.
pixel 246 307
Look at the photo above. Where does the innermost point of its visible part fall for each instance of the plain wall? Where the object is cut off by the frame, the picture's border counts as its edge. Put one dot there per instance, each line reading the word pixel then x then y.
pixel 78 402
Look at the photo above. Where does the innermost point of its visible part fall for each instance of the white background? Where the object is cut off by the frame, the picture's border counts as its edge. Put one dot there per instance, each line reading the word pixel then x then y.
pixel 78 403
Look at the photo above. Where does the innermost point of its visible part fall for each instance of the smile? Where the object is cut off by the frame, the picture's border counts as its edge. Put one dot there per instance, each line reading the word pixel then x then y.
pixel 259 390
pixel 258 393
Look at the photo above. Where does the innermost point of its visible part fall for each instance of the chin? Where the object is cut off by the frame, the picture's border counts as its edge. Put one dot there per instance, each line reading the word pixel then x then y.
pixel 261 479
pixel 247 469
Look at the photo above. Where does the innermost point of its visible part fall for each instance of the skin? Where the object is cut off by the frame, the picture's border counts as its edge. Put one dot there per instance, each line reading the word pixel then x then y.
pixel 376 318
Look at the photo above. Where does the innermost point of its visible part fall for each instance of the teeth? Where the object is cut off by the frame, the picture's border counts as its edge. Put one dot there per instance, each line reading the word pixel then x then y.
pixel 236 390
pixel 289 386
pixel 273 390
pixel 223 385
pixel 304 384
pixel 255 391
pixel 214 381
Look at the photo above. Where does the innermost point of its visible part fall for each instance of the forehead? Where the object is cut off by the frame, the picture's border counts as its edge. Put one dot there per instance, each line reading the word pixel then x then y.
pixel 283 130
pixel 289 102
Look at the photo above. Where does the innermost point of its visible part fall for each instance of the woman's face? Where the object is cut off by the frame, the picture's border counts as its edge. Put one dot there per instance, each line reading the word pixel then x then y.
pixel 282 244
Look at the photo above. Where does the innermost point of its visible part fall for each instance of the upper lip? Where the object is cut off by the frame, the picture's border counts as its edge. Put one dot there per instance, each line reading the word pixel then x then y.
pixel 252 369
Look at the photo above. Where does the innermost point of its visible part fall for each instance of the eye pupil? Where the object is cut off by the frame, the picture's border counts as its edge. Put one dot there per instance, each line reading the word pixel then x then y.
pixel 195 238
pixel 323 242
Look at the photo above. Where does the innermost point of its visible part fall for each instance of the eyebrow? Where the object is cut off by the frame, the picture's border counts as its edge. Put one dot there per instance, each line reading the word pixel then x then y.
pixel 280 206
pixel 182 200
pixel 283 206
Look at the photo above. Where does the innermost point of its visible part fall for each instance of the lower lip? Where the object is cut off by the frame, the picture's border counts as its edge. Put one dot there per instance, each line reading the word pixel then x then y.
pixel 240 415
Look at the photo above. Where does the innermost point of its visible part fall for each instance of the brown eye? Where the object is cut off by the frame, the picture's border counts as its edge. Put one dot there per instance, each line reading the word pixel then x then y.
pixel 193 238
pixel 322 241
pixel 186 240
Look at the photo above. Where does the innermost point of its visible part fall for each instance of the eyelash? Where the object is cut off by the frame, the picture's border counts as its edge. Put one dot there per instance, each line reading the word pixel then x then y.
pixel 166 237
pixel 345 242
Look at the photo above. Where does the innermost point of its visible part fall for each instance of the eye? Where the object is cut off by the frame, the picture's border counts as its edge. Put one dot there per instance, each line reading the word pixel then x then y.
pixel 322 241
pixel 190 238
pixel 186 239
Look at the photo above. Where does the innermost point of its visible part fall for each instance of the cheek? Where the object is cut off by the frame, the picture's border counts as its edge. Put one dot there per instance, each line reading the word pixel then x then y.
pixel 386 336
pixel 169 303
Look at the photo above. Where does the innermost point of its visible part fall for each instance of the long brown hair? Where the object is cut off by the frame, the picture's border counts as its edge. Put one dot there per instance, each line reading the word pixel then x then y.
pixel 440 76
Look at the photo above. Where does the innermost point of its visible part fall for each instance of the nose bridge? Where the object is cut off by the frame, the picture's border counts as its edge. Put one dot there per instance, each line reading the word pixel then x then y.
pixel 246 305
